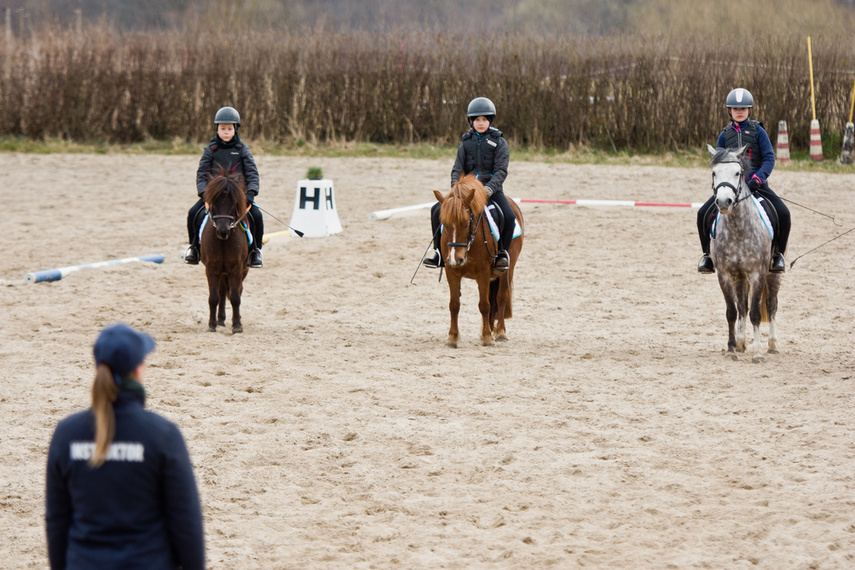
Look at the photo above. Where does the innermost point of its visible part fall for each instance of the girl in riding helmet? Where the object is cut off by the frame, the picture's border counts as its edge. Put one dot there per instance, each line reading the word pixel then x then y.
pixel 742 131
pixel 227 151
pixel 484 152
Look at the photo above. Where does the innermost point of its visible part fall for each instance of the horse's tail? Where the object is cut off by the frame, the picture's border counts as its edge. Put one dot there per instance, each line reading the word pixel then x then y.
pixel 764 313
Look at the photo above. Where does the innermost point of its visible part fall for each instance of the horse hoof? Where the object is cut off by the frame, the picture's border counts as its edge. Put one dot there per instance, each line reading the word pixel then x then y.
pixel 212 329
pixel 501 338
pixel 774 351
pixel 758 359
pixel 733 356
pixel 221 323
pixel 451 344
pixel 487 342
pixel 236 330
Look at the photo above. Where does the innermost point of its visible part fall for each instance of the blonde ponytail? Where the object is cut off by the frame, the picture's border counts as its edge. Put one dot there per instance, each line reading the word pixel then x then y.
pixel 104 392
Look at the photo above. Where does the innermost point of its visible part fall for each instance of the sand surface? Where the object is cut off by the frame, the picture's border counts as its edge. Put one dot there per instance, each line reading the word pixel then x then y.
pixel 339 432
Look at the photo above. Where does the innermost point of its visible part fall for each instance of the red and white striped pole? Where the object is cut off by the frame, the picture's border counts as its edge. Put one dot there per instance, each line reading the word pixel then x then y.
pixel 815 142
pixel 783 147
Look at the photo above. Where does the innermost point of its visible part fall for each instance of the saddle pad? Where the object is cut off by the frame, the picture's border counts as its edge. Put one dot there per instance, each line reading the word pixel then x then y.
pixel 763 217
pixel 243 226
pixel 495 229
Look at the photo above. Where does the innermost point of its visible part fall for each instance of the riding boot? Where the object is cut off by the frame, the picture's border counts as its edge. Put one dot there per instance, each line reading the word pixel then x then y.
pixel 779 265
pixel 501 262
pixel 191 257
pixel 433 260
pixel 256 260
pixel 706 265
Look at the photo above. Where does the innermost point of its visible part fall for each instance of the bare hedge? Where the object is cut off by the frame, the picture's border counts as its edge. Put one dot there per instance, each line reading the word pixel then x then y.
pixel 624 93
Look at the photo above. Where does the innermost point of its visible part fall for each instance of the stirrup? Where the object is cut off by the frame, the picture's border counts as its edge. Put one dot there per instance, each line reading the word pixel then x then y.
pixel 191 256
pixel 255 259
pixel 705 265
pixel 502 262
pixel 779 264
pixel 432 260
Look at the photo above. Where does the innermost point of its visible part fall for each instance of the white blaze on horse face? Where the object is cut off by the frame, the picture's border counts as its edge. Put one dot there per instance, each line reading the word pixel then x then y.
pixel 730 173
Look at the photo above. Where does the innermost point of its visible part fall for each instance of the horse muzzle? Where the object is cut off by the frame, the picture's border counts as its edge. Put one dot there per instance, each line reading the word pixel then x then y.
pixel 724 205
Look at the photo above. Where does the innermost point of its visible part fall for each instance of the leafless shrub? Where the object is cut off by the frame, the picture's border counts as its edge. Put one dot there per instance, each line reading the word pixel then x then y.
pixel 614 92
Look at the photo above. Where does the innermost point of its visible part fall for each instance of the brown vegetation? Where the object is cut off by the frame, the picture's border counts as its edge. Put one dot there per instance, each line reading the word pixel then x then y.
pixel 621 92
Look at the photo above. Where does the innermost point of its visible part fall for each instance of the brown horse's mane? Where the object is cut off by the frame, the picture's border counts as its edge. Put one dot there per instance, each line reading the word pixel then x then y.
pixel 227 184
pixel 454 210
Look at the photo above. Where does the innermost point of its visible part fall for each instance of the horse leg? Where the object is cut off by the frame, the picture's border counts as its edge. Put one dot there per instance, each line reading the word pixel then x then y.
pixel 453 308
pixel 484 307
pixel 213 301
pixel 223 290
pixel 727 289
pixel 742 314
pixel 756 289
pixel 234 297
pixel 502 299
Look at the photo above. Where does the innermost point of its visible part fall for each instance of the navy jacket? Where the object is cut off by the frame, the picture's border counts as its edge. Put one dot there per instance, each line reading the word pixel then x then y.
pixel 140 509
pixel 758 143
pixel 486 156
pixel 233 156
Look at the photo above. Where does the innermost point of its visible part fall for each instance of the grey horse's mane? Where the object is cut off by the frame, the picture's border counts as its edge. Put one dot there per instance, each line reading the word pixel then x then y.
pixel 723 155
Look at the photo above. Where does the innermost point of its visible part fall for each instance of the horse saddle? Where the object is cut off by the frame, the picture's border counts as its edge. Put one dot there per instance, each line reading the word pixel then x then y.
pixel 767 213
pixel 496 219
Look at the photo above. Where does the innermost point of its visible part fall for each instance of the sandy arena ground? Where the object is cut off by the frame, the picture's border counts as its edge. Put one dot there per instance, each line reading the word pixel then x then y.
pixel 339 432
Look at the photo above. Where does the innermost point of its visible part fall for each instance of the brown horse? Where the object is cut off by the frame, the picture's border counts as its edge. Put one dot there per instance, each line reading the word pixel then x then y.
pixel 468 248
pixel 223 251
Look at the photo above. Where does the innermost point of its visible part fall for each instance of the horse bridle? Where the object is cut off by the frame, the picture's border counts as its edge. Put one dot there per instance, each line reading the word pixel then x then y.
pixel 473 227
pixel 736 189
pixel 235 219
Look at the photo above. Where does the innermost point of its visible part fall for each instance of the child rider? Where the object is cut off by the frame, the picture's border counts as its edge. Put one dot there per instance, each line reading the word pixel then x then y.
pixel 484 152
pixel 227 151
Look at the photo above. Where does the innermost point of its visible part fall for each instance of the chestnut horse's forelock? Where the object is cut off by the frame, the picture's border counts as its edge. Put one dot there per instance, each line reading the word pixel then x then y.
pixel 453 210
pixel 227 184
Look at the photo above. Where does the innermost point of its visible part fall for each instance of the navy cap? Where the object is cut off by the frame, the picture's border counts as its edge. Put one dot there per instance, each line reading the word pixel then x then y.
pixel 122 348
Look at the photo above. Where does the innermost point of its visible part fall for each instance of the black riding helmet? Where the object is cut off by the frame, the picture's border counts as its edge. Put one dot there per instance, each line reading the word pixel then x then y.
pixel 228 115
pixel 481 107
pixel 739 98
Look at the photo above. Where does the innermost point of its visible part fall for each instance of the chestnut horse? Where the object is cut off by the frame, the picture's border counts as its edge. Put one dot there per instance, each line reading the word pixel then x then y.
pixel 224 251
pixel 468 247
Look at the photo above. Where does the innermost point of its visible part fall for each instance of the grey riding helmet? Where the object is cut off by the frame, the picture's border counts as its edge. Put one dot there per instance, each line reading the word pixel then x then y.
pixel 481 107
pixel 739 98
pixel 227 115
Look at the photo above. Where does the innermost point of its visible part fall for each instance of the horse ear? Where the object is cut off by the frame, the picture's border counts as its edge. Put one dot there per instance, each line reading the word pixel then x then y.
pixel 439 196
pixel 741 151
pixel 469 196
pixel 711 149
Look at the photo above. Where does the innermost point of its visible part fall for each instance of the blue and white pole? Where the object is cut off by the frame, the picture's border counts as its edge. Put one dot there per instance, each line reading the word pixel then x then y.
pixel 57 274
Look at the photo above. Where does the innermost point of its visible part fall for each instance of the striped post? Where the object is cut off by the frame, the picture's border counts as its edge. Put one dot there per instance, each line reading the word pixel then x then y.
pixel 815 142
pixel 783 147
pixel 848 143
pixel 57 274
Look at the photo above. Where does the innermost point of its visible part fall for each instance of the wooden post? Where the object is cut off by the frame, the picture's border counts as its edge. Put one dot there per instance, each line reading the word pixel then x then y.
pixel 810 68
pixel 815 138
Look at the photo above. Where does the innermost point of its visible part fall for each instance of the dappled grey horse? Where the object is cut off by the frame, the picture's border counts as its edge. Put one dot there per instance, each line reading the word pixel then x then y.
pixel 742 254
